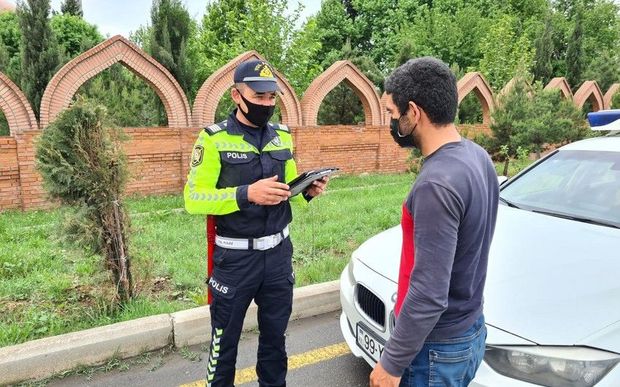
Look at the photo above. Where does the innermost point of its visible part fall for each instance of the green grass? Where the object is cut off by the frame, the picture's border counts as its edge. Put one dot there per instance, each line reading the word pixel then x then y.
pixel 50 287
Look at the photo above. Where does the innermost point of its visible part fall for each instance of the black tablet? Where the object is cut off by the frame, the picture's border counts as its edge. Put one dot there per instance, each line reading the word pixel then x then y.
pixel 301 182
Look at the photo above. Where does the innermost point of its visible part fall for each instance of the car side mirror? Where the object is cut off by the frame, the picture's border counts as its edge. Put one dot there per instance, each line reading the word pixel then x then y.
pixel 501 179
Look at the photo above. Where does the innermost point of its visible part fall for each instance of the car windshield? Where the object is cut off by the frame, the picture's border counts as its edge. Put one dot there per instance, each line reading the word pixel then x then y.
pixel 578 185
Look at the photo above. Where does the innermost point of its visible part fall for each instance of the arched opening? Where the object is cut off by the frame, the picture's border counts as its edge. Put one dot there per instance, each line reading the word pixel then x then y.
pixel 470 110
pixel 130 101
pixel 590 105
pixel 331 79
pixel 589 97
pixel 4 125
pixel 341 106
pixel 217 86
pixel 63 86
pixel 475 82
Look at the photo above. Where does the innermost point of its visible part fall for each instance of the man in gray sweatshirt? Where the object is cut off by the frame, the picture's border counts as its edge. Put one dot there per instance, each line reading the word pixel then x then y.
pixel 439 337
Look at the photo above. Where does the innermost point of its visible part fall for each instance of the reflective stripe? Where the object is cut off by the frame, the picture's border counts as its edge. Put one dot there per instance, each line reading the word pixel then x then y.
pixel 264 243
pixel 253 79
pixel 213 355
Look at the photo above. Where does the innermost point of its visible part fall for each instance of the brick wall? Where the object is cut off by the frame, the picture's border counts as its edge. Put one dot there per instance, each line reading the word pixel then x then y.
pixel 354 149
pixel 158 158
pixel 10 192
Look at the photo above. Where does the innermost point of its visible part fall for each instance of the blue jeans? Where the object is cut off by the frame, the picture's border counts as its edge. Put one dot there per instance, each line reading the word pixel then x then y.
pixel 451 362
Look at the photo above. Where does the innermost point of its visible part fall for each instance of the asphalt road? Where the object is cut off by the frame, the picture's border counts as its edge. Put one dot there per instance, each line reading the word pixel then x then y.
pixel 317 353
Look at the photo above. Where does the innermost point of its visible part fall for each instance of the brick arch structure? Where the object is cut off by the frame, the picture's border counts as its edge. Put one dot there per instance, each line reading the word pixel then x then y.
pixel 613 89
pixel 589 90
pixel 74 74
pixel 385 115
pixel 475 82
pixel 562 84
pixel 340 71
pixel 508 87
pixel 16 107
pixel 219 82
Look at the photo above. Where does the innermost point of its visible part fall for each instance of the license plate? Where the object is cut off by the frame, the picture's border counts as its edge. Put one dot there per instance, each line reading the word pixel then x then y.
pixel 369 343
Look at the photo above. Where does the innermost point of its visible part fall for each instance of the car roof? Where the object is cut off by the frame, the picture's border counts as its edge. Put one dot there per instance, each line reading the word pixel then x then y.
pixel 609 144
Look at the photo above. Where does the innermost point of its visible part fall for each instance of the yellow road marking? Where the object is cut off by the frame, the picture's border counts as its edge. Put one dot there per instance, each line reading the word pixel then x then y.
pixel 305 359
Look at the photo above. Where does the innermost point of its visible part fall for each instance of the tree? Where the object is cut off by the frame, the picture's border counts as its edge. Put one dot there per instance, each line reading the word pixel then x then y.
pixel 39 50
pixel 10 37
pixel 72 7
pixel 130 102
pixel 511 109
pixel 4 125
pixel 543 59
pixel 74 35
pixel 504 53
pixel 615 101
pixel 453 37
pixel 551 119
pixel 605 69
pixel 574 54
pixel 342 105
pixel 231 27
pixel 529 118
pixel 82 164
pixel 170 32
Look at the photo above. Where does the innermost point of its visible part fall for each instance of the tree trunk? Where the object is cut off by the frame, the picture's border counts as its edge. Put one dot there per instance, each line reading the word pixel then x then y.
pixel 505 173
pixel 116 252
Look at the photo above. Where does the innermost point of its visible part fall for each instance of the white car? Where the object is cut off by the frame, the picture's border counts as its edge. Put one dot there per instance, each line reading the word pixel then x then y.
pixel 552 295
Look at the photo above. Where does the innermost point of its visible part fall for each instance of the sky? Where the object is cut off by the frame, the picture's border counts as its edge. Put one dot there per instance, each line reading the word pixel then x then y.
pixel 110 21
pixel 114 17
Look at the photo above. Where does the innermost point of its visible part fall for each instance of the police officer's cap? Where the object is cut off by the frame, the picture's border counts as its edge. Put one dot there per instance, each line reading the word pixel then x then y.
pixel 258 75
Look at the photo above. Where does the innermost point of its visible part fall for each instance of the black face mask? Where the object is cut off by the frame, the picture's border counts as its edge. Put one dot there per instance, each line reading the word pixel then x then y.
pixel 406 141
pixel 259 115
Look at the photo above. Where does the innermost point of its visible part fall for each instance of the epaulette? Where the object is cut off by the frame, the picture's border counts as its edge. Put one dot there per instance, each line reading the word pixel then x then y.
pixel 215 128
pixel 281 127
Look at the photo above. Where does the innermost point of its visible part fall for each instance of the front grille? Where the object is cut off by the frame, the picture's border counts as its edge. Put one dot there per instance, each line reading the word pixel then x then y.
pixel 371 305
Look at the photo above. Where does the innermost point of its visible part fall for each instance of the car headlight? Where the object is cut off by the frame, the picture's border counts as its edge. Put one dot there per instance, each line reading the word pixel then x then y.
pixel 352 264
pixel 552 366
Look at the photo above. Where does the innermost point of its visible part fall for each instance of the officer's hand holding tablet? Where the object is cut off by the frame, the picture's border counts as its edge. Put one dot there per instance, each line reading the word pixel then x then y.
pixel 271 192
pixel 268 192
pixel 312 182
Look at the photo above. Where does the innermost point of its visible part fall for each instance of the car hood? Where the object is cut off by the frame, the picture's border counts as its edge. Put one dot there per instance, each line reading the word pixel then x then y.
pixel 551 281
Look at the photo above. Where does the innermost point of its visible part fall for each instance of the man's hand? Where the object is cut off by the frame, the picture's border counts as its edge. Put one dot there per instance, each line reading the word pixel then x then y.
pixel 268 192
pixel 380 378
pixel 317 187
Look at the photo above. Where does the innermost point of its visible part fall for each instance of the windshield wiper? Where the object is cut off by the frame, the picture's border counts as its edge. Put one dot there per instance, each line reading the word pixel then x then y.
pixel 508 203
pixel 578 218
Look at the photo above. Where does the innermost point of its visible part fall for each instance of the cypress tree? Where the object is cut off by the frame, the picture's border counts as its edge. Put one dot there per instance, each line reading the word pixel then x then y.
pixel 82 163
pixel 543 60
pixel 39 49
pixel 72 7
pixel 170 34
pixel 574 60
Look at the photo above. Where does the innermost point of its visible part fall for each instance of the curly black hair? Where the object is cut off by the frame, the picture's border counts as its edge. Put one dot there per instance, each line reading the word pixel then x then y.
pixel 430 84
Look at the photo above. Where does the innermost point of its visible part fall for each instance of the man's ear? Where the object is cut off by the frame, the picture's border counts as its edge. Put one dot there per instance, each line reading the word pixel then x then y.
pixel 236 95
pixel 414 112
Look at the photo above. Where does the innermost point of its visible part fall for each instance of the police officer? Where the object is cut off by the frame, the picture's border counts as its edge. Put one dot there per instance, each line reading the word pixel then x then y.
pixel 239 171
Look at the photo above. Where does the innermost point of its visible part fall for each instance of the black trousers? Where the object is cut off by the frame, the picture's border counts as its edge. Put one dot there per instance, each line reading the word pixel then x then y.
pixel 238 277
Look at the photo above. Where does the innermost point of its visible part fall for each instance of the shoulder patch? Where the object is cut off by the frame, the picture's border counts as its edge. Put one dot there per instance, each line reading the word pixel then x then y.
pixel 215 128
pixel 197 155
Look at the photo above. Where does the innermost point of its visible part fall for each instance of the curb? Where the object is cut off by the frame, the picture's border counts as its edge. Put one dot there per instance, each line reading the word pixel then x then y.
pixel 42 358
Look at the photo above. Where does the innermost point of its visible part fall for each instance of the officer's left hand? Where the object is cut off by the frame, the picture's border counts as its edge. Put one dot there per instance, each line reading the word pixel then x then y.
pixel 317 187
pixel 379 377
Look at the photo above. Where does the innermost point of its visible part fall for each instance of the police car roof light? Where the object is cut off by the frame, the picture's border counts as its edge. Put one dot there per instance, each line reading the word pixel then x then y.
pixel 605 120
